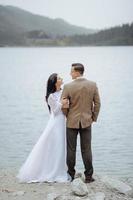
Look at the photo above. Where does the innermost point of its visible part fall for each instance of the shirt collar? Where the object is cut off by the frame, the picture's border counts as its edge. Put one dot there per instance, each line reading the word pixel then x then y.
pixel 80 77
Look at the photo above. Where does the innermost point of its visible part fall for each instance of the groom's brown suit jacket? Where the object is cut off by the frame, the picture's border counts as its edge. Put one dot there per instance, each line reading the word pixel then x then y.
pixel 84 102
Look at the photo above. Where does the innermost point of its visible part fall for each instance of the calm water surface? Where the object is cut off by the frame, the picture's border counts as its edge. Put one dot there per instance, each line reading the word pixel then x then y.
pixel 24 114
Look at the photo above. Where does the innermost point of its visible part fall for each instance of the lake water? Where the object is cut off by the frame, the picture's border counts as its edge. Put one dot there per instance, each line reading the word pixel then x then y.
pixel 24 114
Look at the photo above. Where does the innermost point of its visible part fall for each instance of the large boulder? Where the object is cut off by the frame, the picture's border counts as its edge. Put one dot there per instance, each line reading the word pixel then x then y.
pixel 79 188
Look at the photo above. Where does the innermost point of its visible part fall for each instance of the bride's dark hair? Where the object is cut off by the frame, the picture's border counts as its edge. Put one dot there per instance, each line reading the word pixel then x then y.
pixel 51 88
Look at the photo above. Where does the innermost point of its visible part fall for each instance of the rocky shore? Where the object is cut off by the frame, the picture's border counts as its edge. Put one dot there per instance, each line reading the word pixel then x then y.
pixel 104 187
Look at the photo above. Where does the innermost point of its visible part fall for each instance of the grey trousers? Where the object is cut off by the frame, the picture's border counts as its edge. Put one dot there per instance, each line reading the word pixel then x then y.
pixel 85 144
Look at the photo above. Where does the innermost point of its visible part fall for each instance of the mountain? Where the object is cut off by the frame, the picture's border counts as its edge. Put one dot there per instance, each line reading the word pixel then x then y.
pixel 15 22
pixel 22 28
pixel 118 35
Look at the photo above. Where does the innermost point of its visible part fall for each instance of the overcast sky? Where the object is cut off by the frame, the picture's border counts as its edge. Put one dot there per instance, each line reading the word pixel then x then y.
pixel 88 13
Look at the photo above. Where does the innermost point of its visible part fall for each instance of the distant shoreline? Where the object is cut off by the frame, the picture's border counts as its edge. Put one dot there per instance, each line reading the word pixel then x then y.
pixel 65 46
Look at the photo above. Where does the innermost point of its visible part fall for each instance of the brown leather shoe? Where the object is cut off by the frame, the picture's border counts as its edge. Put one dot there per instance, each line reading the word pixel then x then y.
pixel 89 179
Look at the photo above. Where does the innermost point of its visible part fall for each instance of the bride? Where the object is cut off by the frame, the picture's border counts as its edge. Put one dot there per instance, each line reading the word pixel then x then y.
pixel 47 160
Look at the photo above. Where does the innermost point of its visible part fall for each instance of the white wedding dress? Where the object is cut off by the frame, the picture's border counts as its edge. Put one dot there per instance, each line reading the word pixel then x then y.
pixel 47 160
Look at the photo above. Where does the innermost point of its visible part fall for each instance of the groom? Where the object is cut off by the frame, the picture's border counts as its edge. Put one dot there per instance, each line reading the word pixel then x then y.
pixel 83 109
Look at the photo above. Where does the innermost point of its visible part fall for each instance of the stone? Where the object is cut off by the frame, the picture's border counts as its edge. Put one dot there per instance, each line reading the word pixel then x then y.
pixel 118 185
pixel 79 188
pixel 6 190
pixel 67 197
pixel 78 175
pixel 19 193
pixel 99 196
pixel 52 196
pixel 77 198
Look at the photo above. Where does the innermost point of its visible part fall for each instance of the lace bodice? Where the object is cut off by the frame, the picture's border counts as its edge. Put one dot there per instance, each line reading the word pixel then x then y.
pixel 54 102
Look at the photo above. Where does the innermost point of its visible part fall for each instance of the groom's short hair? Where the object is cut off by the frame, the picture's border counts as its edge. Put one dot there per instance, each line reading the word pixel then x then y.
pixel 78 67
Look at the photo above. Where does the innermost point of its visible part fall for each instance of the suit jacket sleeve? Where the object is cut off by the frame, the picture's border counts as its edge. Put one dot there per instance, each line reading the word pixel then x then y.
pixel 65 95
pixel 97 104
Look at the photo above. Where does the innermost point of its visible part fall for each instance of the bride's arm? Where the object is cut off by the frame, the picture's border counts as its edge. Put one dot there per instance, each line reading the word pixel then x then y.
pixel 54 104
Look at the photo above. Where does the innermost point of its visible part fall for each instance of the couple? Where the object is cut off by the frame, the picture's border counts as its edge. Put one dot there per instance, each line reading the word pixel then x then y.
pixel 53 157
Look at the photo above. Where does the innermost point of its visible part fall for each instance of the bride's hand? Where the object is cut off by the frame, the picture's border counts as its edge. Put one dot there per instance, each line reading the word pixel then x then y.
pixel 65 103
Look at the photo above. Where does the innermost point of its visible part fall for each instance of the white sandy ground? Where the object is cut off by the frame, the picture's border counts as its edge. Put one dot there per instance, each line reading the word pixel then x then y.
pixel 11 189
